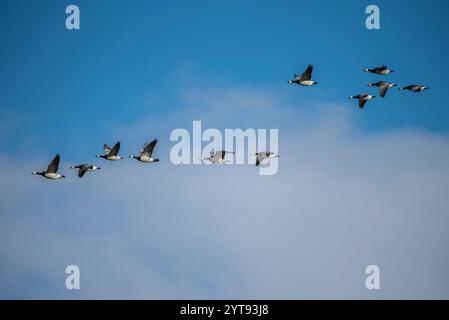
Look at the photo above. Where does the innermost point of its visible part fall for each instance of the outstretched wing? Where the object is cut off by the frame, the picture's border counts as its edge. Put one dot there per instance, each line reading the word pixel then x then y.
pixel 115 149
pixel 307 75
pixel 106 148
pixel 383 89
pixel 82 171
pixel 362 103
pixel 262 156
pixel 148 148
pixel 54 165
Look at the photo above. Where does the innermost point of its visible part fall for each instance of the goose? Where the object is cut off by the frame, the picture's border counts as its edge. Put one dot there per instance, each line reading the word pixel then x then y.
pixel 305 78
pixel 414 88
pixel 218 157
pixel 52 168
pixel 110 153
pixel 146 152
pixel 383 87
pixel 383 70
pixel 261 156
pixel 363 98
pixel 83 168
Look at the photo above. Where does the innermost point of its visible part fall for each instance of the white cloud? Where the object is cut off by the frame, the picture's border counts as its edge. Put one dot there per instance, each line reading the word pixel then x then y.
pixel 343 199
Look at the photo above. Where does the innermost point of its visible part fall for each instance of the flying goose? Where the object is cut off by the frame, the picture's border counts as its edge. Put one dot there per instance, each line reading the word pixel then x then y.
pixel 52 168
pixel 414 88
pixel 383 87
pixel 383 70
pixel 146 152
pixel 83 168
pixel 261 156
pixel 305 78
pixel 363 98
pixel 218 157
pixel 110 153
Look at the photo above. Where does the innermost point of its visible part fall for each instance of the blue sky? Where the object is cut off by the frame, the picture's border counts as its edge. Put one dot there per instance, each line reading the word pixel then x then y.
pixel 124 53
pixel 136 70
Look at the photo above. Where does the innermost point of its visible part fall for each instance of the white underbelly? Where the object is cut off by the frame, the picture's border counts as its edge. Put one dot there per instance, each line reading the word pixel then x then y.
pixel 146 159
pixel 306 83
pixel 52 175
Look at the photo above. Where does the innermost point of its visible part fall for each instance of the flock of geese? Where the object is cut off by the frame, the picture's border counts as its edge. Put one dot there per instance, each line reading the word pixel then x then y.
pixel 145 156
pixel 305 79
pixel 218 157
pixel 111 154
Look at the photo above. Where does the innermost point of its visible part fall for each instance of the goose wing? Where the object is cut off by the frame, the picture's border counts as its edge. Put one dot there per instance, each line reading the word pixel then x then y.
pixel 54 165
pixel 82 171
pixel 106 148
pixel 307 74
pixel 262 156
pixel 148 148
pixel 115 149
pixel 361 103
pixel 383 89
